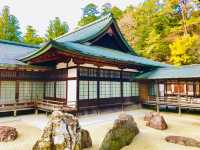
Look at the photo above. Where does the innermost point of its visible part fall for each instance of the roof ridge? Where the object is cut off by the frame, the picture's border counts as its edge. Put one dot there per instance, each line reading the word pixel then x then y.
pixel 88 25
pixel 18 43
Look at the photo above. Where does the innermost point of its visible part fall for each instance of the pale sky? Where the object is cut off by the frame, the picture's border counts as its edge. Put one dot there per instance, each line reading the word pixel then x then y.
pixel 38 12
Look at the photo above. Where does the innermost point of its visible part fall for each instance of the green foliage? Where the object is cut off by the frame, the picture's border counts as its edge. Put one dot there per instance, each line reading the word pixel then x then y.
pixel 181 50
pixel 9 26
pixel 31 36
pixel 154 25
pixel 56 28
pixel 91 13
pixel 90 10
pixel 117 13
pixel 87 20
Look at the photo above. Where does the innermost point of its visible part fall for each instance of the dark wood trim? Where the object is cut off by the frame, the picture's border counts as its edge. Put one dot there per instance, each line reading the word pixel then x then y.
pixel 98 87
pixel 55 90
pixel 17 91
pixel 77 87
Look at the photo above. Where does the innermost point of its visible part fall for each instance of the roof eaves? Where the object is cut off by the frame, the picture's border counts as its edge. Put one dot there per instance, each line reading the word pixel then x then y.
pixel 59 46
pixel 38 52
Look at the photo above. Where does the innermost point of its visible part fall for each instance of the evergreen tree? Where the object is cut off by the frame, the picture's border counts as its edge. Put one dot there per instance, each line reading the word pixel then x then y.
pixel 56 28
pixel 90 14
pixel 9 26
pixel 106 9
pixel 31 36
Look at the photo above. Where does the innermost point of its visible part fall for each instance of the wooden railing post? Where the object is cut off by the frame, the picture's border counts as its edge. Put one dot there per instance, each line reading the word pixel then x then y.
pixel 179 104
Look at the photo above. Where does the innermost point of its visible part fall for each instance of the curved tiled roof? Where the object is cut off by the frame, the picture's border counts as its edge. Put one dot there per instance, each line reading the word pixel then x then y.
pixel 97 52
pixel 93 30
pixel 10 51
pixel 187 71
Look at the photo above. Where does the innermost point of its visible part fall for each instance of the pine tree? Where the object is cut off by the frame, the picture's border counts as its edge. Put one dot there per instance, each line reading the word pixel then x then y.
pixel 90 14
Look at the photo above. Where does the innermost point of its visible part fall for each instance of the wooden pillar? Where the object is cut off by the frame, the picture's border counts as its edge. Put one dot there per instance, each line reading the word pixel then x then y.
pixel 17 91
pixel 54 90
pixel 44 90
pixel 179 105
pixel 36 111
pixel 77 87
pixel 157 97
pixel 179 100
pixel 98 90
pixel 121 88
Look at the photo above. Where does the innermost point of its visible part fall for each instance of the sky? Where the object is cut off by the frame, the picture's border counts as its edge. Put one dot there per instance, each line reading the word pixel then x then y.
pixel 38 12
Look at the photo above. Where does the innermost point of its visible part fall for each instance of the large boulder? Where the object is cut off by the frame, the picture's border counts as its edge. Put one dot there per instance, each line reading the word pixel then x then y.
pixel 121 134
pixel 148 116
pixel 156 121
pixel 7 134
pixel 183 141
pixel 62 132
pixel 86 140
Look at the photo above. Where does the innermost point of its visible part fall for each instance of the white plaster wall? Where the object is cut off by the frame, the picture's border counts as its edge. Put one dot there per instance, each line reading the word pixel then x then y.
pixel 71 93
pixel 71 63
pixel 109 67
pixel 72 72
pixel 131 70
pixel 88 65
pixel 61 65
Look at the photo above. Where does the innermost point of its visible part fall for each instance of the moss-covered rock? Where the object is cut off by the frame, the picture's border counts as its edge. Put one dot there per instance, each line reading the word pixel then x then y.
pixel 122 133
pixel 86 140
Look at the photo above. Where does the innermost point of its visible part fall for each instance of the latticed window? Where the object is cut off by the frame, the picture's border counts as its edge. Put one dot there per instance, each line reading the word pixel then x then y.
pixel 92 72
pixel 127 75
pixel 92 89
pixel 49 89
pixel 105 73
pixel 105 89
pixel 83 72
pixel 115 89
pixel 7 92
pixel 83 90
pixel 152 89
pixel 8 74
pixel 25 89
pixel 87 90
pixel 37 90
pixel 61 89
pixel 135 89
pixel 127 89
pixel 115 74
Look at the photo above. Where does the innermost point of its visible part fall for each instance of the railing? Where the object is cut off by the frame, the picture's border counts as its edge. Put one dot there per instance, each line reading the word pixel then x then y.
pixel 192 102
pixel 46 105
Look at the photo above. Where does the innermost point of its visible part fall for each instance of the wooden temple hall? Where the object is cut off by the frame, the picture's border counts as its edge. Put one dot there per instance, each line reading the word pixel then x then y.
pixel 92 67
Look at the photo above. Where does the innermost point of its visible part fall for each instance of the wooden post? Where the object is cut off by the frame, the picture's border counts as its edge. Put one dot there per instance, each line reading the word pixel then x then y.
pixel 179 100
pixel 179 105
pixel 157 97
pixel 15 113
pixel 36 111
pixel 121 88
pixel 98 90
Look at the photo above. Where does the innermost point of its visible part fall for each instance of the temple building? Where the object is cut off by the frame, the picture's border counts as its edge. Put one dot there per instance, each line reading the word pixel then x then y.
pixel 92 67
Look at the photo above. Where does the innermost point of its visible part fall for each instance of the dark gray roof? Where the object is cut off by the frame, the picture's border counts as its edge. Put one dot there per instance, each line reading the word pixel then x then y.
pixel 11 51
